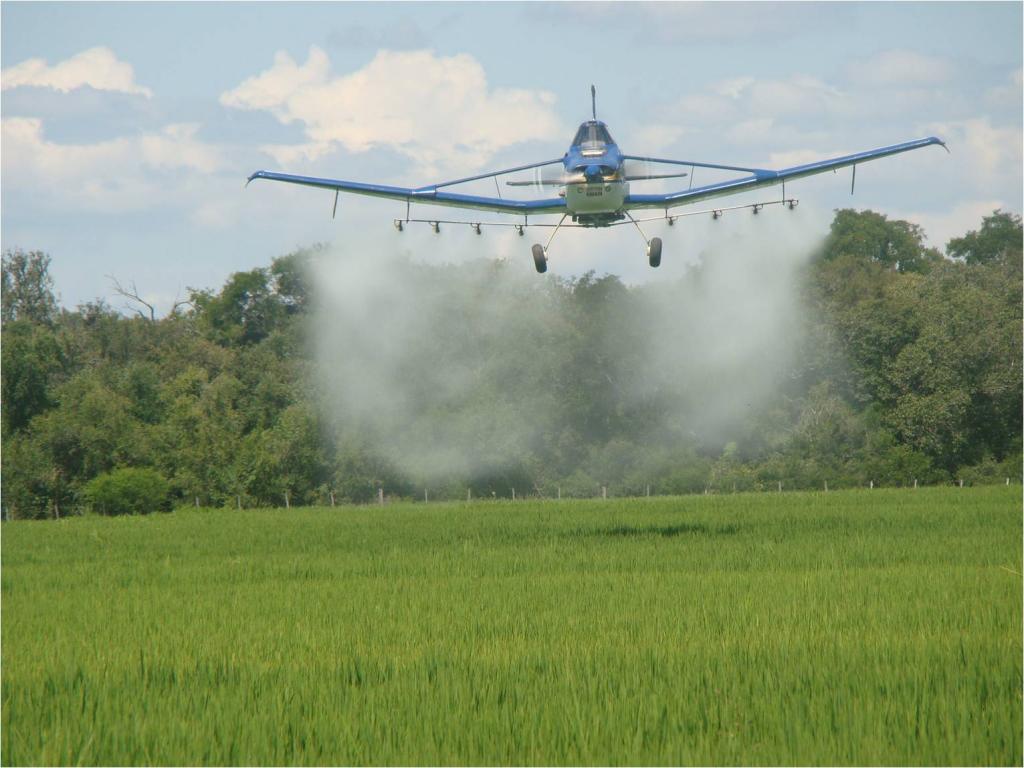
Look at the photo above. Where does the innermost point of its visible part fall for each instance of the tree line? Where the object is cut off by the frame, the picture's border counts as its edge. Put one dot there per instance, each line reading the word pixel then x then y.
pixel 907 369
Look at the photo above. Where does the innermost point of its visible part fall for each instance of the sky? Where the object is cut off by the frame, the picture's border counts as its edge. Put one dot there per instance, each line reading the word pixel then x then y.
pixel 129 129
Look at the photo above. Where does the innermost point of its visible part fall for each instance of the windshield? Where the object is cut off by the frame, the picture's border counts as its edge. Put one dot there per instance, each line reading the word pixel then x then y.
pixel 592 136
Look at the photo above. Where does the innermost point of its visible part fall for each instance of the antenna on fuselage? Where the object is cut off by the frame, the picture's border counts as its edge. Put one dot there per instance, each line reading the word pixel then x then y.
pixel 593 101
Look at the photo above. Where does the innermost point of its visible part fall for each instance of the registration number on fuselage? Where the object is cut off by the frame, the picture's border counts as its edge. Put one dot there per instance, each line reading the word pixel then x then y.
pixel 601 197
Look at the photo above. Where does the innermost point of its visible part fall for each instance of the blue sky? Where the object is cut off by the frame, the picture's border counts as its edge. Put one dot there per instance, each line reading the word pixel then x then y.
pixel 129 129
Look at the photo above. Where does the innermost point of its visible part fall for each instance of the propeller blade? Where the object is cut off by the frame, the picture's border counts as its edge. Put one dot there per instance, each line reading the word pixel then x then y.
pixel 648 176
pixel 548 176
pixel 641 170
pixel 539 183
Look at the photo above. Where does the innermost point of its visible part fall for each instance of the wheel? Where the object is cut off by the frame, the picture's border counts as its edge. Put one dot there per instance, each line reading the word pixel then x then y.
pixel 654 252
pixel 539 259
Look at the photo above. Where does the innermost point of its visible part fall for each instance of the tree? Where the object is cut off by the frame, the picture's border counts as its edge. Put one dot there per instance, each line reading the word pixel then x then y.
pixel 288 458
pixel 28 488
pixel 293 279
pixel 27 288
pixel 91 430
pixel 999 239
pixel 897 245
pixel 905 365
pixel 31 360
pixel 245 312
pixel 128 491
pixel 954 389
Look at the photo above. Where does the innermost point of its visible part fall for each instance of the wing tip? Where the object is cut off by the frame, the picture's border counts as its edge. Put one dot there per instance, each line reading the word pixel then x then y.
pixel 256 175
pixel 940 142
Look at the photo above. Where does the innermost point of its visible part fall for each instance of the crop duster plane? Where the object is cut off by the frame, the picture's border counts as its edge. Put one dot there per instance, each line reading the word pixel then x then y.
pixel 592 188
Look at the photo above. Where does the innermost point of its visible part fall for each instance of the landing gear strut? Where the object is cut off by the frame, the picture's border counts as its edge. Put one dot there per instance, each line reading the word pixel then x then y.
pixel 653 245
pixel 540 252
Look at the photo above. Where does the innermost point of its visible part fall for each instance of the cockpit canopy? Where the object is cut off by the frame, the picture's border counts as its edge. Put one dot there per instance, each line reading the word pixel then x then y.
pixel 592 137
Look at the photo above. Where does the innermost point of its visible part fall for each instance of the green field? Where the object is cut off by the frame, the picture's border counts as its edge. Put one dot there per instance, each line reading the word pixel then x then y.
pixel 857 627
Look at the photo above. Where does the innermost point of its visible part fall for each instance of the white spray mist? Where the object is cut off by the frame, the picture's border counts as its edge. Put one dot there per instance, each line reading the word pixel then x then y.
pixel 458 369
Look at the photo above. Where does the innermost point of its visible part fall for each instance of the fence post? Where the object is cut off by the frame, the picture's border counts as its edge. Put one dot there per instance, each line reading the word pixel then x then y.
pixel 871 484
pixel 648 490
pixel 332 498
pixel 197 502
pixel 780 486
pixel 380 496
pixel 469 494
pixel 826 486
pixel 915 482
pixel 426 496
pixel 559 493
pixel 961 482
pixel 604 492
pixel 513 494
pixel 238 499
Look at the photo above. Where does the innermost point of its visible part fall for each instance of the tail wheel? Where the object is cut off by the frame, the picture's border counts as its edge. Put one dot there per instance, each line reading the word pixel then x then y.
pixel 654 252
pixel 540 261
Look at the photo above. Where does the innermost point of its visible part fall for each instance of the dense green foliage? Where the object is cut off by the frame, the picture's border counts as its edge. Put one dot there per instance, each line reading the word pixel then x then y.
pixel 127 491
pixel 845 628
pixel 908 369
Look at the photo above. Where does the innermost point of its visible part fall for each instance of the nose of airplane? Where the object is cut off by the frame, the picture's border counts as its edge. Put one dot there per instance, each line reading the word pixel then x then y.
pixel 593 173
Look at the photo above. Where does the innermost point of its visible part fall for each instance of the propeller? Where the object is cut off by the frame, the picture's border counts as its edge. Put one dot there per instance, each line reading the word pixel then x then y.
pixel 640 170
pixel 554 176
pixel 549 176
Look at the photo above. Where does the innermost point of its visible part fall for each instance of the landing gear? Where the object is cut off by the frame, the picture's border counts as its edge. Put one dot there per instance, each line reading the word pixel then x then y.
pixel 653 245
pixel 540 252
pixel 540 261
pixel 654 252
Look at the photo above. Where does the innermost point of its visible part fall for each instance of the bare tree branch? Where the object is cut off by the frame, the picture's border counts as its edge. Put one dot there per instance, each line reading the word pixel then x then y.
pixel 178 303
pixel 133 295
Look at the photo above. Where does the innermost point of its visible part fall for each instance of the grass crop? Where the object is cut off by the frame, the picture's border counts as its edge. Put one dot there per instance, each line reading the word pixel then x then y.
pixel 855 627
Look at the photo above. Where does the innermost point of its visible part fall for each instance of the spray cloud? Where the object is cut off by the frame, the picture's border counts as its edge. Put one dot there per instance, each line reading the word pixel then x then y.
pixel 467 368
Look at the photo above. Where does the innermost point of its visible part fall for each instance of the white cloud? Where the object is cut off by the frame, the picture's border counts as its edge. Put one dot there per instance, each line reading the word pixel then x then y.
pixel 651 139
pixel 984 153
pixel 733 88
pixel 128 173
pixel 295 154
pixel 438 111
pixel 271 90
pixel 176 146
pixel 96 67
pixel 940 227
pixel 793 158
pixel 751 131
pixel 703 108
pixel 221 211
pixel 900 67
pixel 798 94
pixel 1008 93
pixel 746 110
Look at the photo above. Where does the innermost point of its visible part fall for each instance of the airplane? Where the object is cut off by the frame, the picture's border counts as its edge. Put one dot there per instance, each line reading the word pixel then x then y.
pixel 593 187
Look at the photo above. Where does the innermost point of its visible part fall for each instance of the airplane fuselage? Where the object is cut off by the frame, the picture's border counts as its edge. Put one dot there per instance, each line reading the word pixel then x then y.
pixel 595 190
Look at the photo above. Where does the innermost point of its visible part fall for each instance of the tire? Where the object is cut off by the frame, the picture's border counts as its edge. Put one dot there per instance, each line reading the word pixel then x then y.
pixel 539 259
pixel 654 252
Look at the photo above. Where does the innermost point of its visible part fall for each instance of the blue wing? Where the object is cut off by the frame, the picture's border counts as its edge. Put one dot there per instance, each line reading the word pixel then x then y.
pixel 433 194
pixel 760 177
